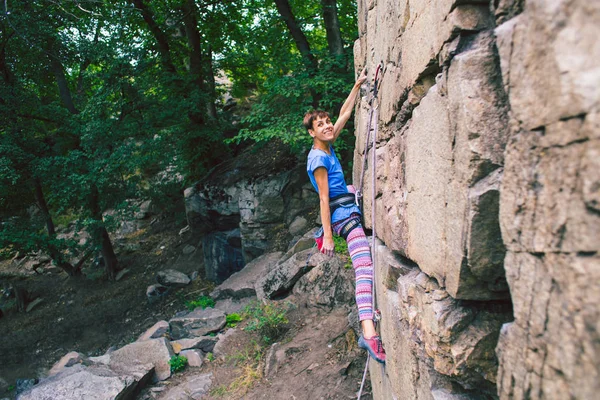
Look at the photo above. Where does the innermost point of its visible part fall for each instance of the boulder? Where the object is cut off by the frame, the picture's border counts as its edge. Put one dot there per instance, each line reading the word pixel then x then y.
pixel 222 254
pixel 194 357
pixel 241 284
pixel 172 278
pixel 94 382
pixel 159 329
pixel 67 360
pixel 204 343
pixel 194 387
pixel 156 292
pixel 197 323
pixel 282 278
pixel 139 357
pixel 233 306
pixel 327 285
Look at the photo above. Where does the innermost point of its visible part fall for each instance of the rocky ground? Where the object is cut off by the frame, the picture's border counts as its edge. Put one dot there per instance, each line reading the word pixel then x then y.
pixel 315 358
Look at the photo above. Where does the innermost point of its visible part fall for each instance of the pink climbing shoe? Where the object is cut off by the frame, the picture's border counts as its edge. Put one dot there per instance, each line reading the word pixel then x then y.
pixel 374 347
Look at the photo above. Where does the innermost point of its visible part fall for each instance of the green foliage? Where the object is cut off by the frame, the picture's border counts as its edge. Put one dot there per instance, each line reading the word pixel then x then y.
pixel 177 363
pixel 210 357
pixel 341 247
pixel 202 301
pixel 268 320
pixel 233 319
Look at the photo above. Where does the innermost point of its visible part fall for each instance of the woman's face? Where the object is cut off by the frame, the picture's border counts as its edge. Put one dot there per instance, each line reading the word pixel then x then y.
pixel 322 129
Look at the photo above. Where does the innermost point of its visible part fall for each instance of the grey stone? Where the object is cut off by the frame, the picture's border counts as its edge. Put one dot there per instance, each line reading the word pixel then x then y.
pixel 33 304
pixel 156 292
pixel 298 225
pixel 271 361
pixel 232 306
pixel 327 285
pixel 241 284
pixel 282 278
pixel 121 274
pixel 172 278
pixel 197 323
pixel 67 360
pixel 138 358
pixel 159 329
pixel 79 382
pixel 222 255
pixel 188 249
pixel 194 357
pixel 204 343
pixel 548 349
pixel 194 387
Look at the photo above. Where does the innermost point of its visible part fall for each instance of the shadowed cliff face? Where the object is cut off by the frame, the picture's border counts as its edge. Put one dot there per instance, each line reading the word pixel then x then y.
pixel 258 201
pixel 488 136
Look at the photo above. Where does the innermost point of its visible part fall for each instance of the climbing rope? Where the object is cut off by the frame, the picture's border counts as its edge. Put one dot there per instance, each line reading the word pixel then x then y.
pixel 371 126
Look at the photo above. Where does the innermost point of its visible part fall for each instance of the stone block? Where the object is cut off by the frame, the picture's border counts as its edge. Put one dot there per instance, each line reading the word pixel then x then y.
pixel 159 329
pixel 138 357
pixel 548 191
pixel 197 323
pixel 554 73
pixel 431 335
pixel 79 382
pixel 241 284
pixel 551 347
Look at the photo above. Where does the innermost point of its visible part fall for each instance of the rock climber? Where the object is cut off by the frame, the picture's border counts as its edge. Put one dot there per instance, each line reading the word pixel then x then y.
pixel 339 213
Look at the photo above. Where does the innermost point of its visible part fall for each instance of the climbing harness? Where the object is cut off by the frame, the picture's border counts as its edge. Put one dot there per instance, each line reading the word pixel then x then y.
pixel 371 126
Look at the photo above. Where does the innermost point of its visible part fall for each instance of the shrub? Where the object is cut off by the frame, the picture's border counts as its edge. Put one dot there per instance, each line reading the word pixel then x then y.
pixel 177 363
pixel 233 319
pixel 269 320
pixel 202 301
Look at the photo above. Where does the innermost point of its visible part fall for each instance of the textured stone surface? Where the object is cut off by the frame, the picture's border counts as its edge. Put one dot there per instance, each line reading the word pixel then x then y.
pixel 67 360
pixel 282 278
pixel 327 285
pixel 79 382
pixel 193 387
pixel 172 278
pixel 197 323
pixel 430 334
pixel 222 254
pixel 159 329
pixel 139 357
pixel 204 343
pixel 241 284
pixel 260 202
pixel 551 349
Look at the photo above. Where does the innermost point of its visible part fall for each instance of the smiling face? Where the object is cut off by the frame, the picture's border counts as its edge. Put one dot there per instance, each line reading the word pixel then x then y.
pixel 322 130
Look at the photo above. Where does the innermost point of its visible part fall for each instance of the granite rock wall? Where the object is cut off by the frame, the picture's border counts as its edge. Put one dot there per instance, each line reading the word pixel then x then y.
pixel 487 195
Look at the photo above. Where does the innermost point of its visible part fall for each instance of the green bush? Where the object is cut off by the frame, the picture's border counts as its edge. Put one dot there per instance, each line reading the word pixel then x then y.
pixel 202 301
pixel 269 320
pixel 177 363
pixel 233 319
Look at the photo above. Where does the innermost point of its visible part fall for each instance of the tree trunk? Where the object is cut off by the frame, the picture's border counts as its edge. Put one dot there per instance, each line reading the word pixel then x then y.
pixel 212 87
pixel 101 235
pixel 159 35
pixel 283 6
pixel 54 253
pixel 63 86
pixel 332 28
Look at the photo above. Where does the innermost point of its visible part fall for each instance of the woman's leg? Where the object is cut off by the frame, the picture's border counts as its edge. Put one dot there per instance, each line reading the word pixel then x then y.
pixel 360 253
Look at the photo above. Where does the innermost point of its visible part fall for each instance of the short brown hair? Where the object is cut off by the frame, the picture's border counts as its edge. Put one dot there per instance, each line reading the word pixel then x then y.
pixel 310 116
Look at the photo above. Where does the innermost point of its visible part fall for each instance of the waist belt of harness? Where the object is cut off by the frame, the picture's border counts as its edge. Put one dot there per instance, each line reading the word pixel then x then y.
pixel 345 199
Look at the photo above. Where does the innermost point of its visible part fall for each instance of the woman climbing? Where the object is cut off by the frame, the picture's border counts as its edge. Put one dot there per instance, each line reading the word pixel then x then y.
pixel 339 213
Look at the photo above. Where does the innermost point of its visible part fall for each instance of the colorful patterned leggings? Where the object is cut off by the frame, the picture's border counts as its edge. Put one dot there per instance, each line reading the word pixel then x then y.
pixel 360 253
